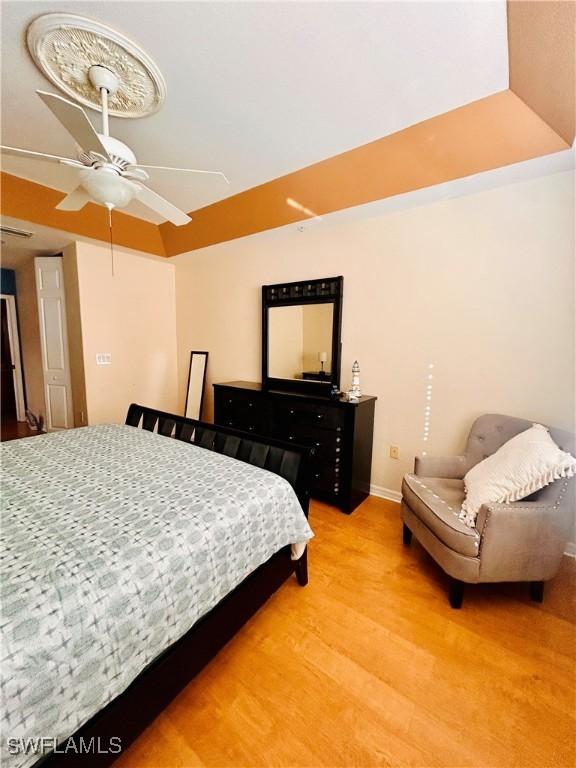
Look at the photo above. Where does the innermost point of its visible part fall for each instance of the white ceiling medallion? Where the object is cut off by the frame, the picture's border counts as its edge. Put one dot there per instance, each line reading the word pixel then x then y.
pixel 65 46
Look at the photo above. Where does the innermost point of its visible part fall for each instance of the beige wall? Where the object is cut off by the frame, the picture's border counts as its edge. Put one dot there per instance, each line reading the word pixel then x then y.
pixel 481 287
pixel 29 327
pixel 131 315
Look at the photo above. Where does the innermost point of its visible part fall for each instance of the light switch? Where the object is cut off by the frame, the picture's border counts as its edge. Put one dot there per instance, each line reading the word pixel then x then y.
pixel 103 358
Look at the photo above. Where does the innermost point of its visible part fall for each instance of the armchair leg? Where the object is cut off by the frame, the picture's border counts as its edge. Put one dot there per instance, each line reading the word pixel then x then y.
pixel 537 591
pixel 456 593
pixel 406 535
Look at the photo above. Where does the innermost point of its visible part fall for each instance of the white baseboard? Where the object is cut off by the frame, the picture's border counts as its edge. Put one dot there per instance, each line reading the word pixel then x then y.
pixel 571 549
pixel 390 495
pixel 385 493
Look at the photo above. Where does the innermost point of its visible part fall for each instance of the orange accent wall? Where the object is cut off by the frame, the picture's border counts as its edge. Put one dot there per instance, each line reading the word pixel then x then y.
pixel 492 132
pixel 542 56
pixel 24 199
pixel 495 131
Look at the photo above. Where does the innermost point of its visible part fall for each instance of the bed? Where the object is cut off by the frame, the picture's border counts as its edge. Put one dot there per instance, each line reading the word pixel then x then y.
pixel 131 554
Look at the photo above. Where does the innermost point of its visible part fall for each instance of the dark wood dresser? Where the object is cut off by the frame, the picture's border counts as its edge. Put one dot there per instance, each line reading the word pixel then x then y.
pixel 341 433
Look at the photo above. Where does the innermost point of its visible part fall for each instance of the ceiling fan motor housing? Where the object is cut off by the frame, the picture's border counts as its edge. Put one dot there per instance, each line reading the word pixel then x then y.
pixel 102 77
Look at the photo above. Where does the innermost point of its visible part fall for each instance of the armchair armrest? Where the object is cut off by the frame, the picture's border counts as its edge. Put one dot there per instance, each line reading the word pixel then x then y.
pixel 448 467
pixel 521 541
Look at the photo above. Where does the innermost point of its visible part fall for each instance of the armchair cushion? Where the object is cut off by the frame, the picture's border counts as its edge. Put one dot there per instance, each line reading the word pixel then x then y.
pixel 523 465
pixel 437 503
pixel 453 467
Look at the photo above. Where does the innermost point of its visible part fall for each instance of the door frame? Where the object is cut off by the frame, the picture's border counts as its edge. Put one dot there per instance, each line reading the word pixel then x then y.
pixel 14 340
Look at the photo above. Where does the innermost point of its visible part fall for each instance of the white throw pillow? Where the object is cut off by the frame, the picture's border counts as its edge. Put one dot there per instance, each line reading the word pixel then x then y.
pixel 523 465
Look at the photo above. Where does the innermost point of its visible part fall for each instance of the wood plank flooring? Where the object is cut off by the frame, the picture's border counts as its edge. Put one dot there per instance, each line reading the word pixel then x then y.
pixel 10 429
pixel 369 666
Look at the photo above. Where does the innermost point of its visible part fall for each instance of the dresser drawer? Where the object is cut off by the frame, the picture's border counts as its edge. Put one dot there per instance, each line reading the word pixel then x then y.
pixel 328 444
pixel 309 415
pixel 240 410
pixel 326 479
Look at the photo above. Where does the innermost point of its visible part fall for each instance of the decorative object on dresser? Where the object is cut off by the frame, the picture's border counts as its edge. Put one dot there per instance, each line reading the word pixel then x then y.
pixel 340 432
pixel 354 393
pixel 301 325
pixel 196 384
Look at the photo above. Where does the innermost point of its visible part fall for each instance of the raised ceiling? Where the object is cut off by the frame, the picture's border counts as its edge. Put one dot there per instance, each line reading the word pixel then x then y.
pixel 259 90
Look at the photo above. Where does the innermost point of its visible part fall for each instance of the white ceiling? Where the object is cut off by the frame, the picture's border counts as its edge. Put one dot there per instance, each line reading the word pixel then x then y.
pixel 261 89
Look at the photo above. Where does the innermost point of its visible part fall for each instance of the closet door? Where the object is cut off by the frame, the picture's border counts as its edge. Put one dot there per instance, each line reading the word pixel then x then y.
pixel 54 342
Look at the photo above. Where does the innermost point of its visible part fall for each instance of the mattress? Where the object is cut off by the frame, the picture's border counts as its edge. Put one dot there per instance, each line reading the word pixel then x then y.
pixel 115 541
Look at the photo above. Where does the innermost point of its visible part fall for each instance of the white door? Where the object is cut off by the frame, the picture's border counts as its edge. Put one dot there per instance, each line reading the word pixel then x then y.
pixel 14 342
pixel 54 342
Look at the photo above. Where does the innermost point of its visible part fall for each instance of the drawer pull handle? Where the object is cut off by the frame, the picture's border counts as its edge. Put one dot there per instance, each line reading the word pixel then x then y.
pixel 318 445
pixel 250 405
pixel 292 412
pixel 317 476
pixel 338 429
pixel 338 439
pixel 337 460
pixel 320 416
pixel 291 437
pixel 337 450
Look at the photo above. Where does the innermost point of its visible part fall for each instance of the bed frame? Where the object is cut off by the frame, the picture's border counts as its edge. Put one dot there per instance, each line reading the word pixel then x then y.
pixel 129 714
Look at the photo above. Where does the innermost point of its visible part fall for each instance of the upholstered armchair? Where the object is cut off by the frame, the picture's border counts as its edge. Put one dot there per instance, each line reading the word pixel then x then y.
pixel 521 541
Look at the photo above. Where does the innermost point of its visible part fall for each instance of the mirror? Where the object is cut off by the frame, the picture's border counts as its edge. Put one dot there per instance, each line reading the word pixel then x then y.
pixel 301 325
pixel 300 342
pixel 196 382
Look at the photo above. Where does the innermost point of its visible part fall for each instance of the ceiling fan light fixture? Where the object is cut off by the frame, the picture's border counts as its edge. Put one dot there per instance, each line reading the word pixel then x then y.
pixel 108 188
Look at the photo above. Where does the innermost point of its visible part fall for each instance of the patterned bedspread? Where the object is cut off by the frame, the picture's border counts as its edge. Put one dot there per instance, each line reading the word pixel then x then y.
pixel 114 542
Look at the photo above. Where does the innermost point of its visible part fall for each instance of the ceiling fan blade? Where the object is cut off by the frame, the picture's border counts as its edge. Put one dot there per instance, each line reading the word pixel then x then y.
pixel 160 205
pixel 135 173
pixel 74 200
pixel 38 155
pixel 76 122
pixel 184 170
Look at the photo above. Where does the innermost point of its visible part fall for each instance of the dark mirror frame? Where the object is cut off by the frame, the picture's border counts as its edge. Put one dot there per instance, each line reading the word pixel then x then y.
pixel 202 393
pixel 328 290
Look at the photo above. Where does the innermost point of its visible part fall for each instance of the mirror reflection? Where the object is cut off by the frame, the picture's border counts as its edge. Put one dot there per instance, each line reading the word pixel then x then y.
pixel 196 382
pixel 300 341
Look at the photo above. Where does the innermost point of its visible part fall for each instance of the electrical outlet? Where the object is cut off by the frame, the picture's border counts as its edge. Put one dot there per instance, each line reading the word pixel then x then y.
pixel 103 358
pixel 394 452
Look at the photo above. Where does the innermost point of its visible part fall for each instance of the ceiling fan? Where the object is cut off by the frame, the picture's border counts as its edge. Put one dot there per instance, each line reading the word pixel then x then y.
pixel 108 171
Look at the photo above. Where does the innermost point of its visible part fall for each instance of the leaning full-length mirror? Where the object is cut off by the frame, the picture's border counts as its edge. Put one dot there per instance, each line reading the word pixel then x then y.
pixel 196 383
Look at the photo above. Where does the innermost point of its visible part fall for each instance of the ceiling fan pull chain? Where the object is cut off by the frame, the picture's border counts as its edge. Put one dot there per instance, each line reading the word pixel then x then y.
pixel 111 240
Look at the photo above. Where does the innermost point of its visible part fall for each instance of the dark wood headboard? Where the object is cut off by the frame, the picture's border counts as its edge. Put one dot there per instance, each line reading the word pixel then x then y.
pixel 292 462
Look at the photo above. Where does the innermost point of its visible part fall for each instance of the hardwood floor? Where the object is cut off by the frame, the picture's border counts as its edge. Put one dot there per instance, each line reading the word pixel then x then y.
pixel 369 666
pixel 10 429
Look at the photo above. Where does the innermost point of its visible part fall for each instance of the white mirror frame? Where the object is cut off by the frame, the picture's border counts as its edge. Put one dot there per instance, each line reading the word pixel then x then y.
pixel 196 385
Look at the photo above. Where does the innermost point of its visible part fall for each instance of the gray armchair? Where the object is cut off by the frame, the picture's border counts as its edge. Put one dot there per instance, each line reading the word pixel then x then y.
pixel 522 541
